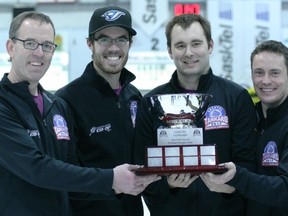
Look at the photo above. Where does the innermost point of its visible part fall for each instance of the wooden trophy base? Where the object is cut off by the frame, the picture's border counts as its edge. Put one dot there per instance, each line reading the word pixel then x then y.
pixel 195 170
pixel 194 159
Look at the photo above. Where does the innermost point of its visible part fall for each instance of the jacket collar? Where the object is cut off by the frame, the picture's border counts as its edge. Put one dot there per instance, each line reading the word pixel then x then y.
pixel 21 89
pixel 203 85
pixel 273 114
pixel 96 80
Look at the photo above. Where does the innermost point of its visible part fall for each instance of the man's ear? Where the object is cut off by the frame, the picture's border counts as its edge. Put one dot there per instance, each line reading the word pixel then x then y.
pixel 211 46
pixel 169 52
pixel 89 44
pixel 10 47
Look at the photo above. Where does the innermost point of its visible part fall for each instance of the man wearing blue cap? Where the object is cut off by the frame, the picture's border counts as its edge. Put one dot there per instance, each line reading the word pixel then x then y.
pixel 105 103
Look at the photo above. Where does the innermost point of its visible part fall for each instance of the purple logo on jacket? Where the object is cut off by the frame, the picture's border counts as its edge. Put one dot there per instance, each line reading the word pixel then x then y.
pixel 133 111
pixel 60 128
pixel 216 118
pixel 270 155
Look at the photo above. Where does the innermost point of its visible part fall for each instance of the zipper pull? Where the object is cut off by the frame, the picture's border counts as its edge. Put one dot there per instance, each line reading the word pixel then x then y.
pixel 44 122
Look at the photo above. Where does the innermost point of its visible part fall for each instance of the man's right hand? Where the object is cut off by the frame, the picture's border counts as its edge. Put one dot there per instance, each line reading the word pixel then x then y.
pixel 126 181
pixel 182 180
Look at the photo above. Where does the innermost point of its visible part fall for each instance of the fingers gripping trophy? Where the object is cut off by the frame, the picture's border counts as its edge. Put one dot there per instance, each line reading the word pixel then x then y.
pixel 180 146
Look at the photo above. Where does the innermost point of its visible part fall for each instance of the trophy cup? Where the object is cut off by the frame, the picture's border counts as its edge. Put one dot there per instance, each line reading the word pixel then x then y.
pixel 180 146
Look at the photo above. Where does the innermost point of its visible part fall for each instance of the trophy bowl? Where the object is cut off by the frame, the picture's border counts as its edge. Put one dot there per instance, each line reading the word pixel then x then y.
pixel 180 147
pixel 179 109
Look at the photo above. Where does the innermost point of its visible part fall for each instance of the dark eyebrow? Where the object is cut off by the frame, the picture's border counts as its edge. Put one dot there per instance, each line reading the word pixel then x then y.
pixel 179 42
pixel 104 35
pixel 196 40
pixel 33 39
pixel 101 35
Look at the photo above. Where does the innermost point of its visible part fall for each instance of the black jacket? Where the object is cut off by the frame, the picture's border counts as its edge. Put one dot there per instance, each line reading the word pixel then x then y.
pixel 105 127
pixel 232 132
pixel 34 151
pixel 268 189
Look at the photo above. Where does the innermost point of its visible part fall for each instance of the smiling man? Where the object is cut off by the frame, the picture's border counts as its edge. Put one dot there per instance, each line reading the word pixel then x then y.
pixel 267 188
pixel 37 141
pixel 269 76
pixel 105 103
pixel 32 62
pixel 229 123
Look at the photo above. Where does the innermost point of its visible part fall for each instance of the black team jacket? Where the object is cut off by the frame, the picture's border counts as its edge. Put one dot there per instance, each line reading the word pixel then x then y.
pixel 267 190
pixel 105 128
pixel 34 153
pixel 229 122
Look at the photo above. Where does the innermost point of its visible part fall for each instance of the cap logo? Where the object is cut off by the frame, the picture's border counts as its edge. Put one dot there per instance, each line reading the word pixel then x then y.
pixel 112 15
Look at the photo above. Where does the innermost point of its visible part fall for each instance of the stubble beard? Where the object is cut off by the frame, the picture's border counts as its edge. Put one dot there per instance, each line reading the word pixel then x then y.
pixel 110 69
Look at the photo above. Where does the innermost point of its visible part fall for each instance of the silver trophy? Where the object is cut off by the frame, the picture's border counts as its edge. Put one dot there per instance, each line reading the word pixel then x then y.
pixel 180 145
pixel 180 113
pixel 180 109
